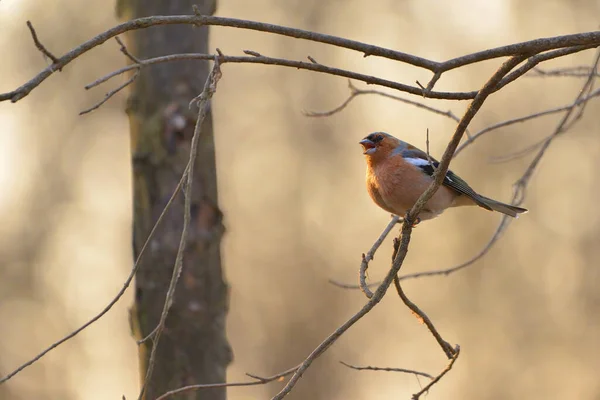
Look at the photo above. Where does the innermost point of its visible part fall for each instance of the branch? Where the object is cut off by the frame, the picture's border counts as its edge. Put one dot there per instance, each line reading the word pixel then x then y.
pixel 440 376
pixel 259 381
pixel 403 370
pixel 576 72
pixel 534 46
pixel 112 93
pixel 39 45
pixel 371 254
pixel 446 347
pixel 355 92
pixel 210 87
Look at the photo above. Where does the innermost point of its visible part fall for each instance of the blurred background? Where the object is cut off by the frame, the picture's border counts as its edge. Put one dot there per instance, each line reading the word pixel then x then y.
pixel 297 213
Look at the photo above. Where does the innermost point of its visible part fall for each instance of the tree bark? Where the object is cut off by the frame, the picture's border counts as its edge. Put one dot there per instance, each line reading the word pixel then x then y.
pixel 193 347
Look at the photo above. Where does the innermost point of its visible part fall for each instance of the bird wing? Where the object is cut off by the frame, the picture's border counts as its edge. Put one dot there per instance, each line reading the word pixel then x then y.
pixel 419 159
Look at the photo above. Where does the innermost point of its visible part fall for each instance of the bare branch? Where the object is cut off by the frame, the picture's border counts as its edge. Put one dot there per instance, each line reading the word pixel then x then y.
pixel 534 46
pixel 371 253
pixel 40 46
pixel 421 316
pixel 440 376
pixel 252 53
pixel 126 52
pixel 259 381
pixel 403 370
pixel 355 92
pixel 433 81
pixel 576 72
pixel 112 93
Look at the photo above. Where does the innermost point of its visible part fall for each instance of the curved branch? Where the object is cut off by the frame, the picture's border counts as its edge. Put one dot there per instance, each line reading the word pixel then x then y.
pixel 387 369
pixel 533 46
pixel 259 381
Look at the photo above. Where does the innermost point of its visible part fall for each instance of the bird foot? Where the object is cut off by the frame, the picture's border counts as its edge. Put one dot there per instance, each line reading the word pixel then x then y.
pixel 406 217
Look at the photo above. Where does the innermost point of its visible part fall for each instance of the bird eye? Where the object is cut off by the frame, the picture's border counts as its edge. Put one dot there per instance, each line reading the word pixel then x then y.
pixel 375 138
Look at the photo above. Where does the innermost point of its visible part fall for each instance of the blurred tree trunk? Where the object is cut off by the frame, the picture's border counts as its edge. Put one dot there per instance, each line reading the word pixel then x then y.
pixel 193 348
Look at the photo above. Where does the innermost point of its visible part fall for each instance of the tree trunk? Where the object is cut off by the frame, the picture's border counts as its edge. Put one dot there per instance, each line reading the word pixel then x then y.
pixel 193 347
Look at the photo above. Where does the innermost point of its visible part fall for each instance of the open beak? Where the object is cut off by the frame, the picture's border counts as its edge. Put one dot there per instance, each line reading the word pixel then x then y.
pixel 368 146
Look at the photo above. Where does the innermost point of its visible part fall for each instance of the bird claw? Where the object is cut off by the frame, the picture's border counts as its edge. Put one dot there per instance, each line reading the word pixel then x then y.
pixel 416 221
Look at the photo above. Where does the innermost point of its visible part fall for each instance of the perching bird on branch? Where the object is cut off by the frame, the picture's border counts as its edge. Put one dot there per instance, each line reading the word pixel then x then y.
pixel 398 174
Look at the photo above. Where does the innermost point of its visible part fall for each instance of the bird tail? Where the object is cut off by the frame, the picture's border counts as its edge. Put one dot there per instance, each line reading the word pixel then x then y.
pixel 504 208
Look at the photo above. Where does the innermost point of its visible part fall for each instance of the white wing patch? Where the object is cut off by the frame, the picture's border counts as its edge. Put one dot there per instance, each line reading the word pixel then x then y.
pixel 420 162
pixel 417 161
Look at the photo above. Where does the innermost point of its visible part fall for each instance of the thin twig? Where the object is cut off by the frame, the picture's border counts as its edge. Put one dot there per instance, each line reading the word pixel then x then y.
pixel 420 314
pixel 427 150
pixel 209 89
pixel 440 376
pixel 387 369
pixel 252 53
pixel 371 253
pixel 40 46
pixel 126 284
pixel 259 381
pixel 576 72
pixel 148 336
pixel 355 92
pixel 528 117
pixel 126 52
pixel 112 93
pixel 436 76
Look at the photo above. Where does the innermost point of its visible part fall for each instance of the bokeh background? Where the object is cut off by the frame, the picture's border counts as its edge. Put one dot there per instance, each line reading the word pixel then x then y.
pixel 297 214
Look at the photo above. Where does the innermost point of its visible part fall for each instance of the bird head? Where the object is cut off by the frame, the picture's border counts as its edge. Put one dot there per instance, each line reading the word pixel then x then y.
pixel 379 145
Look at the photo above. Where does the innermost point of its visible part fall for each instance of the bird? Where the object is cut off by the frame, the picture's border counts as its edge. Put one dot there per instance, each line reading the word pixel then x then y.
pixel 398 173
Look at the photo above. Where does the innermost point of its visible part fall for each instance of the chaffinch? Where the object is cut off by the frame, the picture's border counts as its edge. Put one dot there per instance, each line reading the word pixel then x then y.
pixel 398 174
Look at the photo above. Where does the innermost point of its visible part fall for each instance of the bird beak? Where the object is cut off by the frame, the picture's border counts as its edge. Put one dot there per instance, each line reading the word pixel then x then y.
pixel 368 146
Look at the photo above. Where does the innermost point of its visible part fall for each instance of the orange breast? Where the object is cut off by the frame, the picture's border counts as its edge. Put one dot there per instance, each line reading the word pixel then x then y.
pixel 396 186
